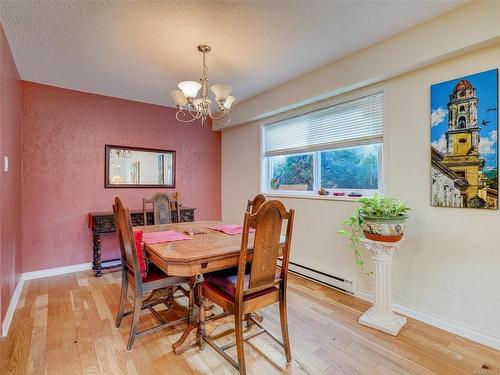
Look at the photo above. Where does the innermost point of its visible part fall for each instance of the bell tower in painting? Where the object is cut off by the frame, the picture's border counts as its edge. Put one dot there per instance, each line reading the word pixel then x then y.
pixel 462 141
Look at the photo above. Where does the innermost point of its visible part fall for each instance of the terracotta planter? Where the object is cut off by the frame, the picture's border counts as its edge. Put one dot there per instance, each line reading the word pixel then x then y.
pixel 384 229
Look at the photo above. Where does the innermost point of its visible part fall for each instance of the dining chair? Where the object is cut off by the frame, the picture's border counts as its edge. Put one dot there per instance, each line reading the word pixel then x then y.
pixel 254 204
pixel 162 207
pixel 144 280
pixel 256 285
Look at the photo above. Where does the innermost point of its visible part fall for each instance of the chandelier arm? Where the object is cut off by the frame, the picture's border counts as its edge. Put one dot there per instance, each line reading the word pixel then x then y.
pixel 221 123
pixel 195 114
pixel 183 113
pixel 226 123
pixel 215 118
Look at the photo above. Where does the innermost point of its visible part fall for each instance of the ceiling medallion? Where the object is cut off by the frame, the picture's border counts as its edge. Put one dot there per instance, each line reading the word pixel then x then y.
pixel 191 107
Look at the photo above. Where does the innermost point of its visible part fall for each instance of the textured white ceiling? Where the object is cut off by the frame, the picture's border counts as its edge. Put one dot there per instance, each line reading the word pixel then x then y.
pixel 141 50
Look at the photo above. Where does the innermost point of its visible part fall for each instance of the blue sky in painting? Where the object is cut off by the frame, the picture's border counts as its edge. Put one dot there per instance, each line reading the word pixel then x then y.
pixel 486 85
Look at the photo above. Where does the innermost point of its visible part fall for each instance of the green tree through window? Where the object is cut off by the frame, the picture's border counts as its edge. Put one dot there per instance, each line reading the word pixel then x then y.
pixel 350 168
pixel 294 170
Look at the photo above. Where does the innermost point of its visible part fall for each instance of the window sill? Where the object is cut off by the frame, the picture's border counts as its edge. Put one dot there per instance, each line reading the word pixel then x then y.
pixel 313 196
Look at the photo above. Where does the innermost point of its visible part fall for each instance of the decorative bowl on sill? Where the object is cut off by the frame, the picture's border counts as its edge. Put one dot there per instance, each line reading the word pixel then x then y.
pixel 339 194
pixel 323 192
pixel 355 194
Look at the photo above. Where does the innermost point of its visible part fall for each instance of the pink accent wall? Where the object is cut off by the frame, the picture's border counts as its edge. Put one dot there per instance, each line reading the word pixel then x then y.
pixel 10 182
pixel 64 133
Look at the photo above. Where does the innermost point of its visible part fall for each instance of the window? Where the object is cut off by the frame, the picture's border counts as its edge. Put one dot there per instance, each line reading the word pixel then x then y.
pixel 351 168
pixel 338 148
pixel 462 122
pixel 292 172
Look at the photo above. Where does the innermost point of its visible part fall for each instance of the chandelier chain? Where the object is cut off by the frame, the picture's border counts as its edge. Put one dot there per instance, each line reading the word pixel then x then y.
pixel 205 68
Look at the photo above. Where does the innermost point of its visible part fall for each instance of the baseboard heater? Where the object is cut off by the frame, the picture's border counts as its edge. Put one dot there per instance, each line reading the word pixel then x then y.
pixel 335 282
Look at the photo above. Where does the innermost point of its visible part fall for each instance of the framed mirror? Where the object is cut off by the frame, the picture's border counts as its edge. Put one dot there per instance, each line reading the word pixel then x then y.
pixel 134 167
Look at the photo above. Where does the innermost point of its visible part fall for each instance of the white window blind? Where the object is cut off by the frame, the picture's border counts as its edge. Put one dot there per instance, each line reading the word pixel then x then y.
pixel 359 121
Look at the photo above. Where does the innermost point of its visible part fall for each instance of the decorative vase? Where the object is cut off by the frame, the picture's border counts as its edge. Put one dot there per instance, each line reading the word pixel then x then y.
pixel 384 229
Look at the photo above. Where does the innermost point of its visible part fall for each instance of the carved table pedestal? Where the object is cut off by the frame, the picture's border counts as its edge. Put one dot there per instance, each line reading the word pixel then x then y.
pixel 380 316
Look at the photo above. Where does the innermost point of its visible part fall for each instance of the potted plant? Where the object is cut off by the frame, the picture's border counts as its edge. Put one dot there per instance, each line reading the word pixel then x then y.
pixel 377 218
pixel 383 218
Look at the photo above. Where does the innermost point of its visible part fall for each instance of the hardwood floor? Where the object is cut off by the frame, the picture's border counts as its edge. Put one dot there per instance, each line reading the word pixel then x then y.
pixel 65 325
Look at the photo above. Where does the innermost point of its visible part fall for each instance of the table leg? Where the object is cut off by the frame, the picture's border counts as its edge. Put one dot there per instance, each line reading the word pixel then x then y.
pixel 188 339
pixel 170 298
pixel 257 316
pixel 201 317
pixel 96 264
pixel 192 283
pixel 190 335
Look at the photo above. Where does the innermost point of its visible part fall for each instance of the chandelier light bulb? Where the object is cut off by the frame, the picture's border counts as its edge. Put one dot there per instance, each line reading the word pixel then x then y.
pixel 179 98
pixel 229 102
pixel 190 88
pixel 221 91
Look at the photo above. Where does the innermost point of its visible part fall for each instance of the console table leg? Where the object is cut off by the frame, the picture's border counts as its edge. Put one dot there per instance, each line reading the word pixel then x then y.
pixel 96 264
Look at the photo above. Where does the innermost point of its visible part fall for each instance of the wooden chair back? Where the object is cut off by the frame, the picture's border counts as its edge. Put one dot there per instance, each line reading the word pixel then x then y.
pixel 162 208
pixel 145 203
pixel 267 221
pixel 254 204
pixel 125 232
pixel 120 239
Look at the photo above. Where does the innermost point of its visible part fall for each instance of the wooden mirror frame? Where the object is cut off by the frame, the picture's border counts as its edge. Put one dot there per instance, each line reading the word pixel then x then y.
pixel 107 184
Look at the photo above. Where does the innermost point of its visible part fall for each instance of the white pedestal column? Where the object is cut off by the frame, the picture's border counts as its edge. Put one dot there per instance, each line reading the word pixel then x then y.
pixel 380 316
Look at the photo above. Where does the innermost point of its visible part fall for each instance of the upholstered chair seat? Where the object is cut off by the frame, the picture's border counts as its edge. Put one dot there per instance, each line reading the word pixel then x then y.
pixel 225 280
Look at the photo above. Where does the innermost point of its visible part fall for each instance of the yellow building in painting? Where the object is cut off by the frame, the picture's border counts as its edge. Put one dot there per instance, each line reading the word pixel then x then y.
pixel 462 147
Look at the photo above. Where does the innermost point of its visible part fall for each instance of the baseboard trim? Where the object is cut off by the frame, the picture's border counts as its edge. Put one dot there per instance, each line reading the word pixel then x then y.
pixel 455 328
pixel 12 307
pixel 332 281
pixel 56 271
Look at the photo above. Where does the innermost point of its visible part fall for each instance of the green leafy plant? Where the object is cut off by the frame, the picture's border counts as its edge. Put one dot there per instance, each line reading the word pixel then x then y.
pixel 379 206
pixel 376 206
pixel 354 234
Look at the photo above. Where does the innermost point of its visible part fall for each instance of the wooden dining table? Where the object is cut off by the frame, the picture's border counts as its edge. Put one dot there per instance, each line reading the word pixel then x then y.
pixel 203 253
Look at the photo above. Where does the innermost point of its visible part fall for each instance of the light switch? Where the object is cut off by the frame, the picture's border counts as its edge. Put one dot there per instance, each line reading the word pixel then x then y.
pixel 5 163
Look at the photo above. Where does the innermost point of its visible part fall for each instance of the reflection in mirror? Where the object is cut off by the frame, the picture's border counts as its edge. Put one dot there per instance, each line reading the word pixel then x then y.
pixel 139 167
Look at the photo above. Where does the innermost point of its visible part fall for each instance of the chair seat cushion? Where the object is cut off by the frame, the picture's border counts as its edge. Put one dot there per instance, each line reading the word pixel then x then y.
pixel 225 280
pixel 207 286
pixel 154 273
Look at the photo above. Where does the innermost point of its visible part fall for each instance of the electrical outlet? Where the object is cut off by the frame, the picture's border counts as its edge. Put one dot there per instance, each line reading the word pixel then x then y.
pixel 5 163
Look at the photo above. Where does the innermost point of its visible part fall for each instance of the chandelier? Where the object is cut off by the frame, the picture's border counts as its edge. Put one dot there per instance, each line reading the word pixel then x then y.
pixel 191 108
pixel 123 153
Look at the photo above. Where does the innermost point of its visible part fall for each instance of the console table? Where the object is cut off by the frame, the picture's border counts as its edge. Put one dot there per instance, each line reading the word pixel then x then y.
pixel 104 222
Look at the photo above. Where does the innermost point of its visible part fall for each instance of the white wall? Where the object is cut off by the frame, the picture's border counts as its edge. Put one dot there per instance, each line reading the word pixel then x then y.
pixel 449 263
